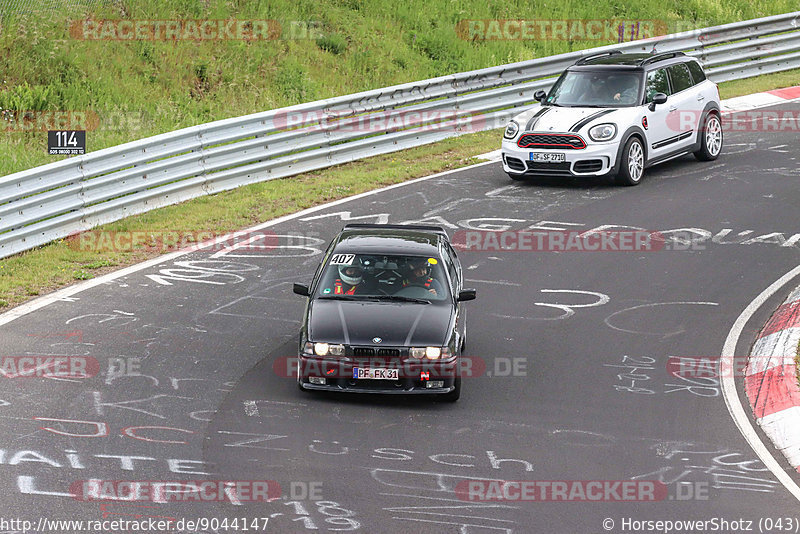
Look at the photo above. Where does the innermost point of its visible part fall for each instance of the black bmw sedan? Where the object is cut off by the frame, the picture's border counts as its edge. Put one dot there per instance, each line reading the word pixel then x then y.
pixel 384 314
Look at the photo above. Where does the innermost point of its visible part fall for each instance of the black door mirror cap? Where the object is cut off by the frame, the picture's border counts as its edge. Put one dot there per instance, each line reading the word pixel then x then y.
pixel 466 294
pixel 658 98
pixel 300 289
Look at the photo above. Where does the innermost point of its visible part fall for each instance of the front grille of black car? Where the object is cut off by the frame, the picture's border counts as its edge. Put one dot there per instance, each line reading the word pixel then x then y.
pixel 368 352
pixel 552 141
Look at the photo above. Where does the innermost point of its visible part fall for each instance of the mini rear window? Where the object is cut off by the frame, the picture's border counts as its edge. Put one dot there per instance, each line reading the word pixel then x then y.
pixel 680 77
pixel 697 71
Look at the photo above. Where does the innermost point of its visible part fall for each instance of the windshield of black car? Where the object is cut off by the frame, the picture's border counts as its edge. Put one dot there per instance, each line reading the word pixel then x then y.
pixel 595 89
pixel 394 278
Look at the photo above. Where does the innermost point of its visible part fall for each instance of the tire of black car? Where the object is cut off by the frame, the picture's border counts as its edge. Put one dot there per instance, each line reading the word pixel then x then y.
pixel 454 395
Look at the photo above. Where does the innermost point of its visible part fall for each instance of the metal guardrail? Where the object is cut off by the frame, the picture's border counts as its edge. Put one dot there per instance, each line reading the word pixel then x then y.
pixel 56 200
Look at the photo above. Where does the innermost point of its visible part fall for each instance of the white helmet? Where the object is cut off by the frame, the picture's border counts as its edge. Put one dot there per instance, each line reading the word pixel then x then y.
pixel 354 278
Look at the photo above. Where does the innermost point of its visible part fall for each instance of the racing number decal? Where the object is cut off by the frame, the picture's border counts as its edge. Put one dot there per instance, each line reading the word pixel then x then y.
pixel 342 259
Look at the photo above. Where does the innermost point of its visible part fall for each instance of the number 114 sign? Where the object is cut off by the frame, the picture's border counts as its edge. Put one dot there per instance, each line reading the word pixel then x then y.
pixel 66 142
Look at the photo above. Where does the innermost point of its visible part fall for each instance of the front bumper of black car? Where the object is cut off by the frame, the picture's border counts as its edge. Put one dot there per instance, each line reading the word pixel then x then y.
pixel 420 377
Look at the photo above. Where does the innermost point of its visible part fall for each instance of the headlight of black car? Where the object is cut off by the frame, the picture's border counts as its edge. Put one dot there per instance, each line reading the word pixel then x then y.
pixel 431 353
pixel 323 349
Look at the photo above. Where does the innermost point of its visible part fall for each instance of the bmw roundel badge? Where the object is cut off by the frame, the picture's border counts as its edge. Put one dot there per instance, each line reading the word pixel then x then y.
pixel 377 340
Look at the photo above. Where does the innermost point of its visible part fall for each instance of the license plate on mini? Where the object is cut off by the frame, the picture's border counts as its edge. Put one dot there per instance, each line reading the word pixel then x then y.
pixel 367 373
pixel 548 157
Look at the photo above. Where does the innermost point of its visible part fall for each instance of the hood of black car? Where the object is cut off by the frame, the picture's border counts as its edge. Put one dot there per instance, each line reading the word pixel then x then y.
pixel 397 324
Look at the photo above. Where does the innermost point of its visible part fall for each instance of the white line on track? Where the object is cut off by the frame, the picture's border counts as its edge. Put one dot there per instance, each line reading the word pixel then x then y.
pixel 731 396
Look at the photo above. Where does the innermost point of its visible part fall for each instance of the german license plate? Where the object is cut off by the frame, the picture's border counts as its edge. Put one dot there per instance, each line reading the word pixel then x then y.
pixel 375 373
pixel 548 157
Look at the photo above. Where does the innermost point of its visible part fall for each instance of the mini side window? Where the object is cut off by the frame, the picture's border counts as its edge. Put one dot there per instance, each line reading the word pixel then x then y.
pixel 680 77
pixel 697 71
pixel 656 83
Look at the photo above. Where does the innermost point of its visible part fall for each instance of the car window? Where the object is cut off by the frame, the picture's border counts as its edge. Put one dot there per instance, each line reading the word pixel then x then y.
pixel 657 83
pixel 596 89
pixel 372 275
pixel 680 77
pixel 451 268
pixel 697 71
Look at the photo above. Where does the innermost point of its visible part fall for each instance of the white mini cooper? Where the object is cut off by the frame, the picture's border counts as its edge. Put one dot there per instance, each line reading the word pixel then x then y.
pixel 615 114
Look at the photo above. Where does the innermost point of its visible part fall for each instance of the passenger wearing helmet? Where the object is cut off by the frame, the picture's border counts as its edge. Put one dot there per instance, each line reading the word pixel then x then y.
pixel 419 274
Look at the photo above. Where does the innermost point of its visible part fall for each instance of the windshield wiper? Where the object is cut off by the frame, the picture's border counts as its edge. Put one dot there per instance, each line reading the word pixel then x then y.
pixel 398 298
pixel 340 297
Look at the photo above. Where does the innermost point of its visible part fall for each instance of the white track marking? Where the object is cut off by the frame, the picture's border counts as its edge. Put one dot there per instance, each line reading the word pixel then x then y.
pixel 731 396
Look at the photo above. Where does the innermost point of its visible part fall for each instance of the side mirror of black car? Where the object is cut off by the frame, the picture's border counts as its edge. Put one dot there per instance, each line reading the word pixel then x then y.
pixel 466 294
pixel 658 98
pixel 300 289
pixel 539 95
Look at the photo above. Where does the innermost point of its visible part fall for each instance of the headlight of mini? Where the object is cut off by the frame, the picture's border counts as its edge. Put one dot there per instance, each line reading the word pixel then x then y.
pixel 323 349
pixel 603 132
pixel 511 130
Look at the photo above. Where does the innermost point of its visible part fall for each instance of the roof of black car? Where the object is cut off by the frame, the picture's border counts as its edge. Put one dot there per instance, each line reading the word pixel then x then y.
pixel 380 239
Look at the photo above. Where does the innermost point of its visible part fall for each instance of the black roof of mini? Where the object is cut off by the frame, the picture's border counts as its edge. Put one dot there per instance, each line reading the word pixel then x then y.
pixel 627 61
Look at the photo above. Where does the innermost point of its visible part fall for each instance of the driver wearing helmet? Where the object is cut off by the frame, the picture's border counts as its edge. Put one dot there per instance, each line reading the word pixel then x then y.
pixel 419 274
pixel 350 281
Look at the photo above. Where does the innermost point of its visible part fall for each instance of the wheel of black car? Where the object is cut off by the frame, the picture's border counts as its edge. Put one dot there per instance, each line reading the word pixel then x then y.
pixel 710 139
pixel 517 177
pixel 632 164
pixel 455 394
